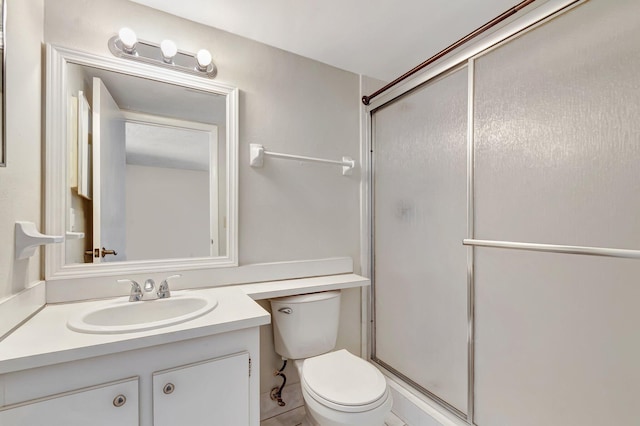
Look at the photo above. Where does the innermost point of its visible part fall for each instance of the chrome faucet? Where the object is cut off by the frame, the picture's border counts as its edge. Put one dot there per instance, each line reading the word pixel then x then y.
pixel 145 292
pixel 163 290
pixel 136 290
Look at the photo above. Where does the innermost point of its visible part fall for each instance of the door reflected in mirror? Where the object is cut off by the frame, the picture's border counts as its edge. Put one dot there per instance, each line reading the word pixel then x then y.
pixel 147 169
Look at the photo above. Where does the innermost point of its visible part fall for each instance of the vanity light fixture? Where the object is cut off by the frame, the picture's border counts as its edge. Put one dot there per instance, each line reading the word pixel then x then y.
pixel 169 50
pixel 204 59
pixel 128 39
pixel 166 54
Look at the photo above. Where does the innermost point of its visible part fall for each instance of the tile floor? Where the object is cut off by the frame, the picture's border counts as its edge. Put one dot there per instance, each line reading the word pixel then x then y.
pixel 295 417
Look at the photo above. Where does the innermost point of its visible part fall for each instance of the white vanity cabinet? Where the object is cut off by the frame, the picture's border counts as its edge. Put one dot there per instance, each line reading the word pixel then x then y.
pixel 199 381
pixel 213 392
pixel 105 405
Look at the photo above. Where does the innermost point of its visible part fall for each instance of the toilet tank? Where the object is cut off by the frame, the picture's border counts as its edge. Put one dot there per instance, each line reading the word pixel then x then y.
pixel 305 325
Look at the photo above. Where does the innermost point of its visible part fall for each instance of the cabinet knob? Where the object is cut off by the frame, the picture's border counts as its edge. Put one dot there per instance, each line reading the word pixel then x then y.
pixel 119 400
pixel 168 388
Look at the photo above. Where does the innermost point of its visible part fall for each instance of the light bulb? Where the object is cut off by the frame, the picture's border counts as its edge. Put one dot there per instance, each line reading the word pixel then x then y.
pixel 128 38
pixel 169 50
pixel 204 59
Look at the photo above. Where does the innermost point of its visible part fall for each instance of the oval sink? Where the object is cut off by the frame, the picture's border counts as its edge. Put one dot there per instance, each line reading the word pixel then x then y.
pixel 122 316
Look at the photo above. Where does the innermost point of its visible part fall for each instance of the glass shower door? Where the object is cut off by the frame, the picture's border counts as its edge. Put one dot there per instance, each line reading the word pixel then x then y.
pixel 557 141
pixel 419 209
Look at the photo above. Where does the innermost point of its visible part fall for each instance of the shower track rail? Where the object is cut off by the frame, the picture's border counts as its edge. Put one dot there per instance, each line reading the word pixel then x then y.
pixel 553 248
pixel 475 33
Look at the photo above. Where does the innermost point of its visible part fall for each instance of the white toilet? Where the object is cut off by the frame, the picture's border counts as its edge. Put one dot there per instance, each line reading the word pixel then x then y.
pixel 339 388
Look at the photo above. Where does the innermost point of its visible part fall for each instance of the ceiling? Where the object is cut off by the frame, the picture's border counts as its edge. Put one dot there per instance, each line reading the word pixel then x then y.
pixel 167 147
pixel 377 38
pixel 151 97
pixel 173 118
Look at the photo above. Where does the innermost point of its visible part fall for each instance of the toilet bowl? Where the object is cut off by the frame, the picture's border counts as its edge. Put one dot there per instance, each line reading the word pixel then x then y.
pixel 339 388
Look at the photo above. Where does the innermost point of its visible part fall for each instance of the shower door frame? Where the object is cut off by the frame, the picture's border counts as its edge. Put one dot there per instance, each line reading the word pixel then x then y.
pixel 530 19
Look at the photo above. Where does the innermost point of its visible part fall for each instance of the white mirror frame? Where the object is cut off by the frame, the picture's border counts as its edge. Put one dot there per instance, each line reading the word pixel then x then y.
pixel 56 164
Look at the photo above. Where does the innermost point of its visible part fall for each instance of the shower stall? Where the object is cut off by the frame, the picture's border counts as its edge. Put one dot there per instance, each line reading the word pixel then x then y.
pixel 504 200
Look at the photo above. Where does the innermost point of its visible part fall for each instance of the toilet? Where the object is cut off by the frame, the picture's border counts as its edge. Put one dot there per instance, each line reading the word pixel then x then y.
pixel 339 388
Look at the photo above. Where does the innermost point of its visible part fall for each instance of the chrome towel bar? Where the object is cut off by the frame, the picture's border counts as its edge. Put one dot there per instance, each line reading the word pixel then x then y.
pixel 552 248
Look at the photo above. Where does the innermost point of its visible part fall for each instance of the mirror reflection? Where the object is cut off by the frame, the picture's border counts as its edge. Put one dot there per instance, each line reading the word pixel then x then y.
pixel 147 169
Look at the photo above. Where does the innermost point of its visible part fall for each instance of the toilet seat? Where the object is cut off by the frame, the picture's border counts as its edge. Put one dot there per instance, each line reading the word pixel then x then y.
pixel 344 382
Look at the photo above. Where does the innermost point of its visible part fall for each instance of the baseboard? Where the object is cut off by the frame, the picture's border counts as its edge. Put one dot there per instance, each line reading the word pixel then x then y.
pixel 291 395
pixel 17 308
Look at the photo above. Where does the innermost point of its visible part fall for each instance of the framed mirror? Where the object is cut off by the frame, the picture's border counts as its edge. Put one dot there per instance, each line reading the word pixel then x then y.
pixel 141 168
pixel 3 55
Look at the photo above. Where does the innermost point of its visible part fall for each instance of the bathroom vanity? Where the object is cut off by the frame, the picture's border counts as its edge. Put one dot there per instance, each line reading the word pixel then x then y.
pixel 195 372
pixel 198 372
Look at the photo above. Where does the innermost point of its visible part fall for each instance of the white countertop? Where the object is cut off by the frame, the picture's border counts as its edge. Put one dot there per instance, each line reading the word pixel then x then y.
pixel 273 289
pixel 45 339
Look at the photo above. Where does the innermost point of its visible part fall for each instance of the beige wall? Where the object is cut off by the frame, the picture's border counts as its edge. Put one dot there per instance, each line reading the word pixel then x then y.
pixel 287 210
pixel 20 181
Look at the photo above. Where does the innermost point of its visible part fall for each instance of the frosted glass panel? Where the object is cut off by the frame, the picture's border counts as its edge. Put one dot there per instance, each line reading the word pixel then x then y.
pixel 557 339
pixel 420 221
pixel 557 131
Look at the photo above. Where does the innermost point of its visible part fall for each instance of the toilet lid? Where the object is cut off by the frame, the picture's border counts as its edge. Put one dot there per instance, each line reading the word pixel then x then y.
pixel 344 379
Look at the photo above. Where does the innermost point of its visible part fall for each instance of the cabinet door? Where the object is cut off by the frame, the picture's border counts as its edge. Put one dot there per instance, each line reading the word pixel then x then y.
pixel 104 405
pixel 213 392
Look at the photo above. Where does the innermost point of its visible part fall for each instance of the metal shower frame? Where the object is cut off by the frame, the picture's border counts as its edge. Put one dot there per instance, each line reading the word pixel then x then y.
pixel 456 58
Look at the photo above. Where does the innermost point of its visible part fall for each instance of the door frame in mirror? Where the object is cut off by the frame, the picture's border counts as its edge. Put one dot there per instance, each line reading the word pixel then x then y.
pixel 56 168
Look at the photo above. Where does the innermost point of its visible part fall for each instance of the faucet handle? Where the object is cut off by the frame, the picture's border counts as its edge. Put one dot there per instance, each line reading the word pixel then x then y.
pixel 136 290
pixel 163 290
